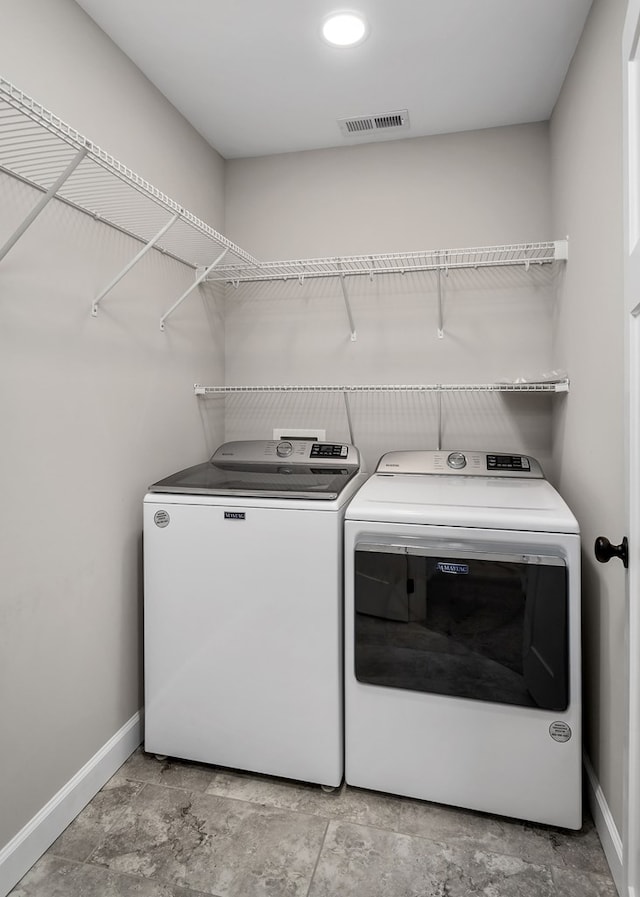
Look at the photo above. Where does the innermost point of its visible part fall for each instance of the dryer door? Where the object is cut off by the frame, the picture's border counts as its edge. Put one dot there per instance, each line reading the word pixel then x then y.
pixel 485 625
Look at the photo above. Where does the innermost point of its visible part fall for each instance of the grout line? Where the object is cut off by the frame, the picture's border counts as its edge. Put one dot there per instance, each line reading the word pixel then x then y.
pixel 315 866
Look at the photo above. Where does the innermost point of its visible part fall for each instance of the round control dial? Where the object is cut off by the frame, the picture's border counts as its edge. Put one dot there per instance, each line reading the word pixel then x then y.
pixel 284 449
pixel 456 460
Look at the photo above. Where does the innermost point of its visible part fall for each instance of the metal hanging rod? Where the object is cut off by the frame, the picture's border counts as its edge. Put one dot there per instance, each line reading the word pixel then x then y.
pixel 545 386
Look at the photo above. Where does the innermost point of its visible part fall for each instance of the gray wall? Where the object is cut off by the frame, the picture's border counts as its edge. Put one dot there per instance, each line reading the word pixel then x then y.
pixel 471 189
pixel 93 410
pixel 463 190
pixel 586 147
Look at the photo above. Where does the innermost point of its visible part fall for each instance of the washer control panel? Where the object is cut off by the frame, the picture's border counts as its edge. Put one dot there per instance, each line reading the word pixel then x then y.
pixel 460 464
pixel 328 450
pixel 301 451
pixel 284 449
pixel 457 460
pixel 508 462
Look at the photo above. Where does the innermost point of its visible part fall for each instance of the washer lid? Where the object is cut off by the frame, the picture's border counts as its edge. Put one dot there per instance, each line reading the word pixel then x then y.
pixel 484 502
pixel 303 470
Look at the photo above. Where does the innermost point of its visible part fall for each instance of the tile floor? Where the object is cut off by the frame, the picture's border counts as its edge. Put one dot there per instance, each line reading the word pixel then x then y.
pixel 177 829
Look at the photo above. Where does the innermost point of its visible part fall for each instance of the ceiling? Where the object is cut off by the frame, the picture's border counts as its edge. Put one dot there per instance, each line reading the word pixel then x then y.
pixel 255 77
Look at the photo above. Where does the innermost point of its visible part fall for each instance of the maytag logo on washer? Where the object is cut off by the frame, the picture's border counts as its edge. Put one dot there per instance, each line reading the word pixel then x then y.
pixel 234 515
pixel 446 567
pixel 161 519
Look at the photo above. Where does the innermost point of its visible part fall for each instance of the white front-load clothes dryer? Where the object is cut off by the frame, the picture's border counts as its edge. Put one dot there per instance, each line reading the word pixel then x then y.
pixel 462 636
pixel 243 608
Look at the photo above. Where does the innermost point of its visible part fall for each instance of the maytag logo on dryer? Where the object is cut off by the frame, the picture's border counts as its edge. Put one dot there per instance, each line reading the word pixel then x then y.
pixel 447 567
pixel 234 515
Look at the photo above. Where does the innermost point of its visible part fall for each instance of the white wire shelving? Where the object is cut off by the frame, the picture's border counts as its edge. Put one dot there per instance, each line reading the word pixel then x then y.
pixel 40 149
pixel 546 386
pixel 372 266
pixel 44 152
pixel 555 385
pixel 525 254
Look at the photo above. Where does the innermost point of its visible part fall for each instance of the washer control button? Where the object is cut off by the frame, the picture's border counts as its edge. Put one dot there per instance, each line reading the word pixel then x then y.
pixel 456 460
pixel 284 449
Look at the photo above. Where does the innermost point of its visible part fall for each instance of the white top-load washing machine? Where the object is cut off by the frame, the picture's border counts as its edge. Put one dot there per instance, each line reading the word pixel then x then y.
pixel 462 636
pixel 243 569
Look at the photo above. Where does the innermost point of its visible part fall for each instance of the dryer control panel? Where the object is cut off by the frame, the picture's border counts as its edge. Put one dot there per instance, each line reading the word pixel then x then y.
pixel 460 463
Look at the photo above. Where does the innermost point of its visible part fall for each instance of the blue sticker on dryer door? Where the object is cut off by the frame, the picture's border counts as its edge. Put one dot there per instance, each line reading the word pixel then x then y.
pixel 457 569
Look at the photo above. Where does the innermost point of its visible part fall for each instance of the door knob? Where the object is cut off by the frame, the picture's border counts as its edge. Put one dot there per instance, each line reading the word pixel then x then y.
pixel 605 550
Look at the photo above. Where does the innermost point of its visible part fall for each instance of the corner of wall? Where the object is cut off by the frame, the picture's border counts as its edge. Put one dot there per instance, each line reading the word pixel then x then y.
pixel 17 857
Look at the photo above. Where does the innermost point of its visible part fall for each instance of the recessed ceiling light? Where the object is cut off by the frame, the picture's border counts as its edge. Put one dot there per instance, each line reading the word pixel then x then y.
pixel 345 29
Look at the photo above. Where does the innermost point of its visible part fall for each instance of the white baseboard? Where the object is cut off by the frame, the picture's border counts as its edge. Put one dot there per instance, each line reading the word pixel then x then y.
pixel 606 828
pixel 19 855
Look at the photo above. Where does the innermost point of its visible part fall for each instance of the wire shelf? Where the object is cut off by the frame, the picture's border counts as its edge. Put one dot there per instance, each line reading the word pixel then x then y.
pixel 396 263
pixel 40 149
pixel 548 386
pixel 36 147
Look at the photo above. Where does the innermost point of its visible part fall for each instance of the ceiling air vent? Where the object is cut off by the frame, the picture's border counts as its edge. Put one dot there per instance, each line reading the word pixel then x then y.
pixel 372 125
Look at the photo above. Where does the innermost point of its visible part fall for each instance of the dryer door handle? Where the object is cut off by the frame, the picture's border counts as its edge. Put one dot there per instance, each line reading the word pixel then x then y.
pixel 604 550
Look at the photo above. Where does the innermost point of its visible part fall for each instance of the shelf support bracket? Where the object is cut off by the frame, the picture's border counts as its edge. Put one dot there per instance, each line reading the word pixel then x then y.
pixel 345 296
pixel 440 305
pixel 44 200
pixel 196 283
pixel 561 249
pixel 439 395
pixel 134 261
pixel 347 408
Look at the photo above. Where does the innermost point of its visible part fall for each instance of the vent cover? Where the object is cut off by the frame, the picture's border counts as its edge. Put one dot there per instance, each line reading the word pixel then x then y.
pixel 370 125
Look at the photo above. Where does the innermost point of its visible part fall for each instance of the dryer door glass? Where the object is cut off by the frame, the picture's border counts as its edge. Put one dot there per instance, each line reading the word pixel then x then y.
pixel 489 627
